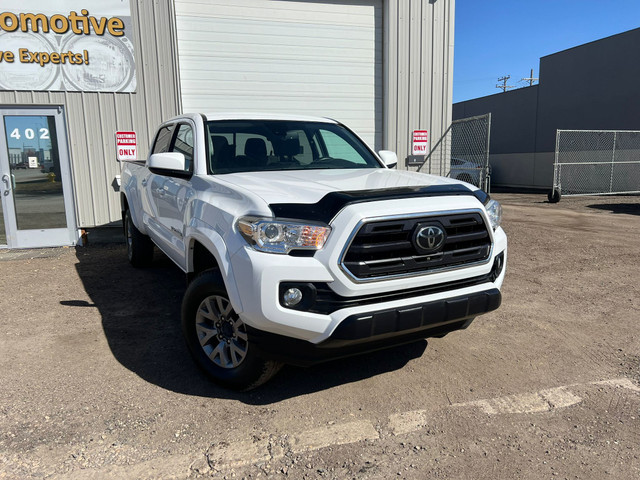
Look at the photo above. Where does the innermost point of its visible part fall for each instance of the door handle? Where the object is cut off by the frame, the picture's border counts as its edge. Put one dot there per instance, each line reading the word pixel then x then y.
pixel 7 180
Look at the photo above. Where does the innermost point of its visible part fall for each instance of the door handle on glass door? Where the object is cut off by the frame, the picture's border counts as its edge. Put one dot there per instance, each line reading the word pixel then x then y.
pixel 7 180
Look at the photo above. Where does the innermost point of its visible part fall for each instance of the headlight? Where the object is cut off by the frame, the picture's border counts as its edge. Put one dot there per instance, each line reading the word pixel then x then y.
pixel 281 236
pixel 494 210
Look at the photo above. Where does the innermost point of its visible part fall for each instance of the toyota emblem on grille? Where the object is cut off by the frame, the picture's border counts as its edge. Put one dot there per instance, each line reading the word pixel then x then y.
pixel 429 238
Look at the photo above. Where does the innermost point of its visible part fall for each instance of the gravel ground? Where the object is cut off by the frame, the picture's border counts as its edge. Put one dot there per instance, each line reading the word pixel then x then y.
pixel 97 383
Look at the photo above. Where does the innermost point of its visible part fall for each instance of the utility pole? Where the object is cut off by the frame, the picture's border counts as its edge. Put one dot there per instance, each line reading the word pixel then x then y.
pixel 504 85
pixel 531 79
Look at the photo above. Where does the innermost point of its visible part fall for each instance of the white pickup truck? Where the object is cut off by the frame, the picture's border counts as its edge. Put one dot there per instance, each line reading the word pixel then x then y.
pixel 301 244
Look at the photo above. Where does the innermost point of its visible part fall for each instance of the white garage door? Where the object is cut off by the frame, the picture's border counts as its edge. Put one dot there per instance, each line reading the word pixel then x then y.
pixel 284 56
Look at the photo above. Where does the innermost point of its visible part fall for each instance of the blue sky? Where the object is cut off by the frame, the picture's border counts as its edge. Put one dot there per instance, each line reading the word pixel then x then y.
pixel 494 38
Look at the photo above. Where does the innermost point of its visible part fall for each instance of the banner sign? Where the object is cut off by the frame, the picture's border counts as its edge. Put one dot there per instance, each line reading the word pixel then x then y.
pixel 67 45
pixel 126 146
pixel 419 142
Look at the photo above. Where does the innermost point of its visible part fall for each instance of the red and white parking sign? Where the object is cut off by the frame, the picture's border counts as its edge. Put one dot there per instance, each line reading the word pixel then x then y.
pixel 126 146
pixel 419 145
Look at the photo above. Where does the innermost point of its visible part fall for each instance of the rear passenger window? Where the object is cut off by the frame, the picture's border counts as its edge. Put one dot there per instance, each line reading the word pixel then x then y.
pixel 163 139
pixel 184 144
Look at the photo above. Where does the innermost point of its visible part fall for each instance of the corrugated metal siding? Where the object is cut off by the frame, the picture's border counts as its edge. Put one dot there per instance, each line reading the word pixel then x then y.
pixel 418 71
pixel 322 58
pixel 93 118
pixel 417 83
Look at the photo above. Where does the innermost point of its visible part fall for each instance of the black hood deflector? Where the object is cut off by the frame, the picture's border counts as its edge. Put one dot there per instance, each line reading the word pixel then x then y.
pixel 328 206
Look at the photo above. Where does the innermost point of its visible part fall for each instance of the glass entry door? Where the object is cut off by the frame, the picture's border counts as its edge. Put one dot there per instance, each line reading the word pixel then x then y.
pixel 37 202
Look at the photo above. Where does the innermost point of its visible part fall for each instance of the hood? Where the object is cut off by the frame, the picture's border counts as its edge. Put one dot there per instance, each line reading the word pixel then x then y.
pixel 309 186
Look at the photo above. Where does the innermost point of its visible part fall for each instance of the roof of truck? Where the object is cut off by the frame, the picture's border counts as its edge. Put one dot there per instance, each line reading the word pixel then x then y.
pixel 265 116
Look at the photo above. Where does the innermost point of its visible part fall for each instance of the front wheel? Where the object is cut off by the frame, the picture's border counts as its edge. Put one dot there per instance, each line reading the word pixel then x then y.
pixel 217 337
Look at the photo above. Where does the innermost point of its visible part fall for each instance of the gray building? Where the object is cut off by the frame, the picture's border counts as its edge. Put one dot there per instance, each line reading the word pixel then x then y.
pixel 592 87
pixel 383 67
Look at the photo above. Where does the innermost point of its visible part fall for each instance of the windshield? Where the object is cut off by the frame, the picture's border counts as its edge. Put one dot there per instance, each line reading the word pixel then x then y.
pixel 261 145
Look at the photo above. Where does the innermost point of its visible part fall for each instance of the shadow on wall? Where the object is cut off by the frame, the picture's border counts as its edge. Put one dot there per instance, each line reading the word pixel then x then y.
pixel 140 311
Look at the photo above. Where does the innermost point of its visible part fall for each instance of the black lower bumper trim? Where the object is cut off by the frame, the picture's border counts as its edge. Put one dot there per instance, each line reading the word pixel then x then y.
pixel 432 314
pixel 385 328
pixel 320 298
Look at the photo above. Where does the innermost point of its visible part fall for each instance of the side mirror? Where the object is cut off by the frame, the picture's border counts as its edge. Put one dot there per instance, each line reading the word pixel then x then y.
pixel 170 161
pixel 389 158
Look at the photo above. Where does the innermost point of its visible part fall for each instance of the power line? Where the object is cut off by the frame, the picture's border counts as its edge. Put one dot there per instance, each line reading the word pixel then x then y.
pixel 504 85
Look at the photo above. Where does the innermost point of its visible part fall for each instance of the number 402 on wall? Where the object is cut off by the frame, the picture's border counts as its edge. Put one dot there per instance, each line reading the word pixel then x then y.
pixel 30 134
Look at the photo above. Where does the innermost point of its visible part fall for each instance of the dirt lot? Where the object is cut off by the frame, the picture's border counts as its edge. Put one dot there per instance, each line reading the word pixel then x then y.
pixel 96 382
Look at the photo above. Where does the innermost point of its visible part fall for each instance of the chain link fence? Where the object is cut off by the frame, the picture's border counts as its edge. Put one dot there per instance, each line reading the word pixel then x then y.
pixel 462 152
pixel 596 162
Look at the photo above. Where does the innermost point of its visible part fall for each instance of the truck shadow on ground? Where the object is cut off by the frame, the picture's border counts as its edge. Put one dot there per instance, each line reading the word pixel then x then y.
pixel 140 314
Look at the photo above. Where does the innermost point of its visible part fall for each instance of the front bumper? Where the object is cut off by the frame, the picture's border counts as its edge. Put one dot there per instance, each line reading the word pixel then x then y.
pixel 380 329
pixel 260 278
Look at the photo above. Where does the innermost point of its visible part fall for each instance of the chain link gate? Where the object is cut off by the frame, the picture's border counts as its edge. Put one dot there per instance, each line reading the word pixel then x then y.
pixel 596 162
pixel 463 152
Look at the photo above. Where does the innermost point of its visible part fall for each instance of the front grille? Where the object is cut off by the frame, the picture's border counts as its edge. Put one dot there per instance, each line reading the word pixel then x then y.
pixel 386 248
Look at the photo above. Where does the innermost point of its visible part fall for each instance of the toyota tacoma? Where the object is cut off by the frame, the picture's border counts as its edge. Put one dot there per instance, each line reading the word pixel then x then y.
pixel 301 244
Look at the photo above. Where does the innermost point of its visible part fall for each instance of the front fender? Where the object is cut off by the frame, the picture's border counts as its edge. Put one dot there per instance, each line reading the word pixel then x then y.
pixel 207 236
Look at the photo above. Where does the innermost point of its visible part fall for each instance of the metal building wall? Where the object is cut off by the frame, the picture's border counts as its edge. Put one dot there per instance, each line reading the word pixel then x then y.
pixel 513 133
pixel 298 57
pixel 417 84
pixel 525 120
pixel 609 100
pixel 417 80
pixel 93 118
pixel 418 71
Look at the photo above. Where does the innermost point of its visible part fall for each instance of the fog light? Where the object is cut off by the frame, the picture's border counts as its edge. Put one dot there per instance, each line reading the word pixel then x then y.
pixel 498 265
pixel 292 297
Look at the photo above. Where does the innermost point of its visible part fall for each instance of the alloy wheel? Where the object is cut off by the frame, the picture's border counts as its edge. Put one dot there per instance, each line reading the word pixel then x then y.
pixel 221 333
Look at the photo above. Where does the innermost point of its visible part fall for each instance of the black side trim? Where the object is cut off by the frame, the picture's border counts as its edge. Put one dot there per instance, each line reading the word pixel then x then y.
pixel 329 205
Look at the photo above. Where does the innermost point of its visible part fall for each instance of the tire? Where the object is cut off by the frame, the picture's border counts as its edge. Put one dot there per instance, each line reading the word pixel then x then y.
pixel 554 196
pixel 217 338
pixel 139 246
